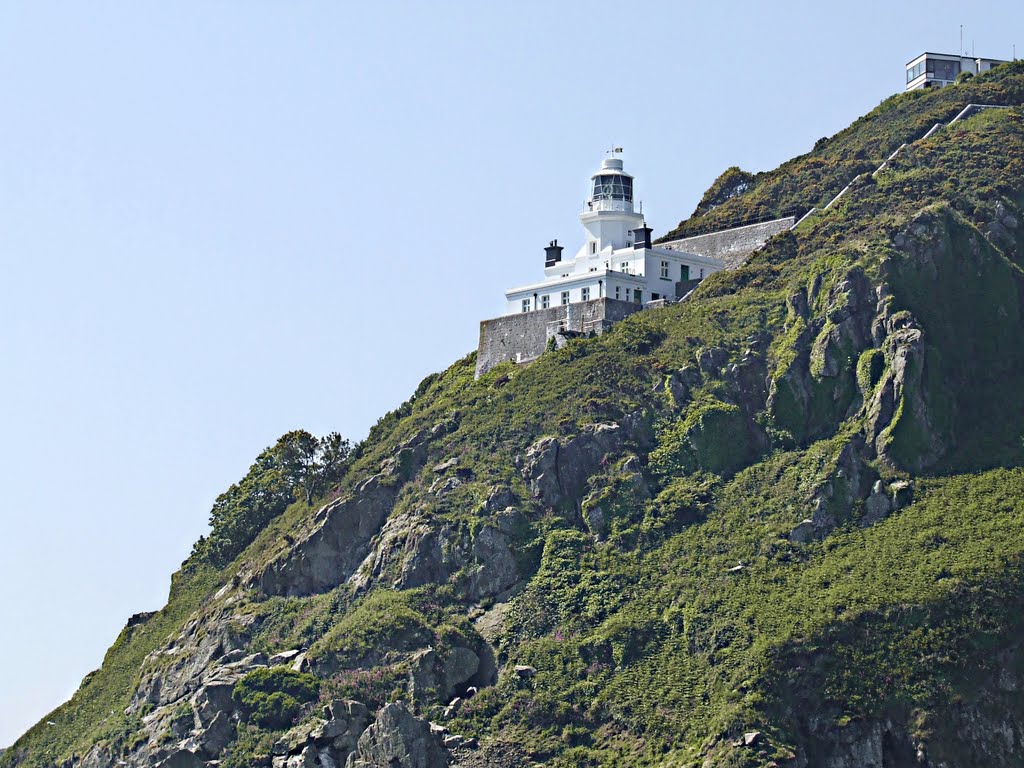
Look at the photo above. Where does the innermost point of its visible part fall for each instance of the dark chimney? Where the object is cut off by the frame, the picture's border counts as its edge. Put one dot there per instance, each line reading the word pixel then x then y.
pixel 552 254
pixel 642 238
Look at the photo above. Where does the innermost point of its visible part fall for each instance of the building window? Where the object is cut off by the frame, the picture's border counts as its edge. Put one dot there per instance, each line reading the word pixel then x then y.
pixel 624 266
pixel 702 273
pixel 638 296
pixel 684 272
pixel 613 187
pixel 526 305
pixel 664 270
pixel 593 246
pixel 944 70
pixel 545 301
pixel 593 269
pixel 655 296
pixel 565 297
pixel 617 296
pixel 939 69
pixel 584 294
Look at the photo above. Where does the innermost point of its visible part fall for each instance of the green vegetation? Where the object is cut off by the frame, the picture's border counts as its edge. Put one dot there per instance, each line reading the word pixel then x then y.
pixel 273 697
pixel 713 436
pixel 733 182
pixel 672 608
pixel 816 177
pixel 95 714
pixel 298 466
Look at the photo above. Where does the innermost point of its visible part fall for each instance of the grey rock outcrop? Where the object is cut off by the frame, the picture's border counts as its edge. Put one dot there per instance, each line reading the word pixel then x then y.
pixel 901 392
pixel 414 548
pixel 440 676
pixel 803 533
pixel 886 499
pixel 494 570
pixel 845 483
pixel 862 744
pixel 342 530
pixel 339 542
pixel 398 739
pixel 557 469
pixel 323 743
pixel 817 387
pixel 877 506
pixel 179 669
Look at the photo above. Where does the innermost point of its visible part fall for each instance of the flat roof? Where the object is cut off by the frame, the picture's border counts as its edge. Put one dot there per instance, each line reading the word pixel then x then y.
pixel 952 56
pixel 582 277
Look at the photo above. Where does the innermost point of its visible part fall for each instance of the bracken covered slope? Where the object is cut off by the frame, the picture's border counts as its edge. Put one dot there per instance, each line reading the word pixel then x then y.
pixel 779 523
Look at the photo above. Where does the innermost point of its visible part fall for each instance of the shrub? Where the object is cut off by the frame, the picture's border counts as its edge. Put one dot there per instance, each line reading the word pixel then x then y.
pixel 712 435
pixel 298 466
pixel 273 698
pixel 637 336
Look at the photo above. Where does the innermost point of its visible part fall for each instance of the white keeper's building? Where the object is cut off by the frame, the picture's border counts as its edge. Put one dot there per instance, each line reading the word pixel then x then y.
pixel 617 259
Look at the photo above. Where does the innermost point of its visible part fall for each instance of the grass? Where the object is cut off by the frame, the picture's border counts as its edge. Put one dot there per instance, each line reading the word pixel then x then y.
pixel 696 617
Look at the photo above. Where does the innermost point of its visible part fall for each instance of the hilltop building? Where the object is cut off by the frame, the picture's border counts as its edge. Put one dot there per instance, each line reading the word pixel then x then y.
pixel 616 272
pixel 935 70
pixel 617 259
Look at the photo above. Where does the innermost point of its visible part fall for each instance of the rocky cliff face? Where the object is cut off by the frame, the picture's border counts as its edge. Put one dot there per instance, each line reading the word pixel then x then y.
pixel 775 525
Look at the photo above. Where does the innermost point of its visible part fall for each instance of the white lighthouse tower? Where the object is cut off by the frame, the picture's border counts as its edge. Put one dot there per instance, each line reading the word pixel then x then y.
pixel 617 261
pixel 609 217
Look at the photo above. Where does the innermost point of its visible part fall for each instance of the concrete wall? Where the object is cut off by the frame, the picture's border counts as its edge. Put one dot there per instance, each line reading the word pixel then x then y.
pixel 733 246
pixel 524 336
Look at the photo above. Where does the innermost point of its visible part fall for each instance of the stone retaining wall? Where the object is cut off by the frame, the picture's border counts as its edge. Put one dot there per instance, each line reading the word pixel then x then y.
pixel 733 246
pixel 523 337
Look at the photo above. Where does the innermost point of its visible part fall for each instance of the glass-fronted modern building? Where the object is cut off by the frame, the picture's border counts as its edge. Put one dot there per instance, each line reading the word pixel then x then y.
pixel 935 70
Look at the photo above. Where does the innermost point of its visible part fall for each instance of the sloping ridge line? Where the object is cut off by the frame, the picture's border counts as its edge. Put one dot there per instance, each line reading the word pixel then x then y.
pixel 966 112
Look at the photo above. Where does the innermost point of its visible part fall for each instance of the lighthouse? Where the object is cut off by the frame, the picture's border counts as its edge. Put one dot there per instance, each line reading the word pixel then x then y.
pixel 617 260
pixel 616 271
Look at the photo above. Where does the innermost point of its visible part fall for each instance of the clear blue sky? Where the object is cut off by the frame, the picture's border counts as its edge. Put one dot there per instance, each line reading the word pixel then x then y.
pixel 223 220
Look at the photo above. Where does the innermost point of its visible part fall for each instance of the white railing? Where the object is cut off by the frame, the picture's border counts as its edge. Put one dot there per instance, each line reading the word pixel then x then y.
pixel 625 206
pixel 966 112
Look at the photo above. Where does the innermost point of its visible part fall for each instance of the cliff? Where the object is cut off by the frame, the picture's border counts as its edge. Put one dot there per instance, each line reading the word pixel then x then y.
pixel 777 524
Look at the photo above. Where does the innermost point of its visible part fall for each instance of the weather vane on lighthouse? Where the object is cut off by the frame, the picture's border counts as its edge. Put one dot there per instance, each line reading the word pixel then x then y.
pixel 614 151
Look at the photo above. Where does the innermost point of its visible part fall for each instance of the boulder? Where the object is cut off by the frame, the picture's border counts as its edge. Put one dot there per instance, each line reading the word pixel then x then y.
pixel 444 466
pixel 442 486
pixel 803 533
pixel 902 494
pixel 346 721
pixel 495 570
pixel 499 497
pixel 283 657
pixel 596 519
pixel 398 739
pixel 182 758
pixel 453 708
pixel 453 741
pixel 711 360
pixel 218 733
pixel 434 675
pixel 877 506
